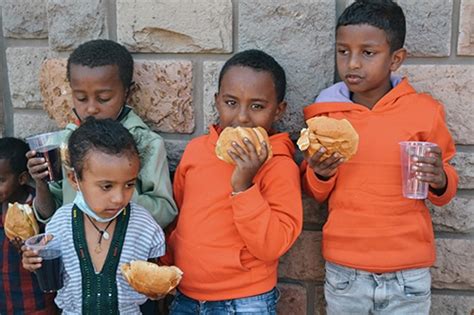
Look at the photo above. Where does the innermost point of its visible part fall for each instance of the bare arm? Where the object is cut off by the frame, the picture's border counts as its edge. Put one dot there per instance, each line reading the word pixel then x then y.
pixel 44 203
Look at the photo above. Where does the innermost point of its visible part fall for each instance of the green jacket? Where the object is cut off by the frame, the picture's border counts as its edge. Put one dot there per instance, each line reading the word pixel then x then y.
pixel 153 188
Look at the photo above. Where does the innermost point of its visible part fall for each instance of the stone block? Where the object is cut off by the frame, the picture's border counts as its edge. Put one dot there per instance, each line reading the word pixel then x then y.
pixel 73 22
pixel 452 86
pixel 211 70
pixel 454 267
pixel 300 36
pixel 178 26
pixel 56 92
pixel 292 300
pixel 304 260
pixel 314 212
pixel 451 304
pixel 464 164
pixel 466 28
pixel 428 27
pixel 24 19
pixel 161 95
pixel 456 216
pixel 27 123
pixel 174 150
pixel 23 69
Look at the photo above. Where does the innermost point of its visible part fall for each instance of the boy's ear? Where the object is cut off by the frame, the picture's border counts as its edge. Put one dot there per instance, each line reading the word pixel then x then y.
pixel 281 108
pixel 23 178
pixel 398 56
pixel 72 180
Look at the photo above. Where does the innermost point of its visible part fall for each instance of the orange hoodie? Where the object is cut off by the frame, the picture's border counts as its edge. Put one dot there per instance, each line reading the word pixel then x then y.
pixel 228 246
pixel 371 226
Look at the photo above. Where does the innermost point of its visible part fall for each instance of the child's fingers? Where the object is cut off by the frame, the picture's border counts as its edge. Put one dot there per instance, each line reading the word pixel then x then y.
pixel 264 153
pixel 30 259
pixel 30 154
pixel 251 150
pixel 236 157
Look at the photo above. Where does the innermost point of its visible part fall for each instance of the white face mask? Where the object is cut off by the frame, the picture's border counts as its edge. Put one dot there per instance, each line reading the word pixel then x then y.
pixel 84 207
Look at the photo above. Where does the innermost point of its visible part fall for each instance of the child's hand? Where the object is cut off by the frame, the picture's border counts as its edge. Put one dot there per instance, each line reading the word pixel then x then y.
pixel 37 167
pixel 430 169
pixel 326 168
pixel 31 260
pixel 248 162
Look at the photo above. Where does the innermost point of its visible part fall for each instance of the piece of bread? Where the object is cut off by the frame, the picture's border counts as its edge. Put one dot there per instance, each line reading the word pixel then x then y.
pixel 333 134
pixel 20 222
pixel 150 279
pixel 229 134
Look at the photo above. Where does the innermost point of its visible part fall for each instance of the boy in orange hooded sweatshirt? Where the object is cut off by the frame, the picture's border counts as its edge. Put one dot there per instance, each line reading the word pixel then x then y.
pixel 235 221
pixel 377 244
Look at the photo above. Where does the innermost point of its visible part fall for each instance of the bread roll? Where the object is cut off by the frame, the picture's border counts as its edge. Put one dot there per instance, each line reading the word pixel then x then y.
pixel 334 134
pixel 20 222
pixel 150 279
pixel 229 134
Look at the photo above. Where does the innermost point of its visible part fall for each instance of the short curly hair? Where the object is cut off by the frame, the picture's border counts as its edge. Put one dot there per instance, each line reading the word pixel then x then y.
pixel 383 14
pixel 104 135
pixel 103 52
pixel 258 61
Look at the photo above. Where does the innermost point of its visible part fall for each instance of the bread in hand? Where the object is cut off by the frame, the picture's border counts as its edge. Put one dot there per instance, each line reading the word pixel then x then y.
pixel 336 135
pixel 150 279
pixel 20 222
pixel 230 134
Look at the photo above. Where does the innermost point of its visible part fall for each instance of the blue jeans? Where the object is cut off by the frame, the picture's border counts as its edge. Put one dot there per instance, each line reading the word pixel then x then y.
pixel 352 291
pixel 264 304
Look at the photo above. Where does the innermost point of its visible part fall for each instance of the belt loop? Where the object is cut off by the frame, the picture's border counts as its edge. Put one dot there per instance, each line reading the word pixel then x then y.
pixel 400 279
pixel 353 274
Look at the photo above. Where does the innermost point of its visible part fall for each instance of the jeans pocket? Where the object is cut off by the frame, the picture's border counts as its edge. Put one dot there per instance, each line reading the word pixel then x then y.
pixel 338 282
pixel 417 283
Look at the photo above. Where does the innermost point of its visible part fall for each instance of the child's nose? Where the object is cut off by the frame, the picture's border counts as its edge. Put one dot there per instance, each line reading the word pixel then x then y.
pixel 354 62
pixel 118 198
pixel 243 116
pixel 92 109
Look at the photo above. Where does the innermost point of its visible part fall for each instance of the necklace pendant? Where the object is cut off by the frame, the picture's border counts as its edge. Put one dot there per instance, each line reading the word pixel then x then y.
pixel 106 235
pixel 98 249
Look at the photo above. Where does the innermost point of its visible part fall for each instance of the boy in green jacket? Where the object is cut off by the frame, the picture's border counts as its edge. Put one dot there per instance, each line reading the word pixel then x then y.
pixel 100 75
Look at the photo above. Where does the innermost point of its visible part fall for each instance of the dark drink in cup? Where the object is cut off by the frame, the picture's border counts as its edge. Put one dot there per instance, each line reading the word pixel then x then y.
pixel 50 275
pixel 52 155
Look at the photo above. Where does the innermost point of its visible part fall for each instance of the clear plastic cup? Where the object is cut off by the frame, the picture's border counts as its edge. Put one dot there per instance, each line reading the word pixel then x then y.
pixel 413 188
pixel 50 275
pixel 47 146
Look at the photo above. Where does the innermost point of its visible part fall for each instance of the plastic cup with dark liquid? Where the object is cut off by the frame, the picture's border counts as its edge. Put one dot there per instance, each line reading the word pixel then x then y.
pixel 50 275
pixel 47 146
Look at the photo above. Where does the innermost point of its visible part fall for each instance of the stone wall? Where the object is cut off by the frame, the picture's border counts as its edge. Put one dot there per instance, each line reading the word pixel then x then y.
pixel 180 46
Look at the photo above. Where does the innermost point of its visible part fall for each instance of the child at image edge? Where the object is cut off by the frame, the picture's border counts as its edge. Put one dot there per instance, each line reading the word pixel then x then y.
pixel 377 244
pixel 236 221
pixel 100 75
pixel 19 289
pixel 102 229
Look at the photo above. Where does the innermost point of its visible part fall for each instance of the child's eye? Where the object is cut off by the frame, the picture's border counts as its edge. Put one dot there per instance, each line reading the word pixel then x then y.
pixel 81 99
pixel 342 51
pixel 256 106
pixel 130 185
pixel 231 103
pixel 103 101
pixel 106 187
pixel 369 53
